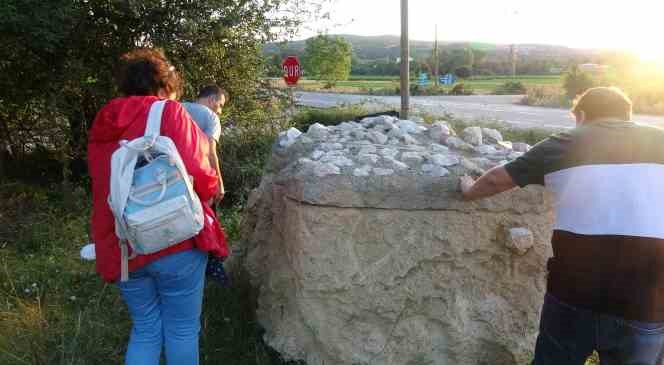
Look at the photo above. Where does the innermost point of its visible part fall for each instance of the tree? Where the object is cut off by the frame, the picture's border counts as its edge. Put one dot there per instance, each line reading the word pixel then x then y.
pixel 469 57
pixel 463 72
pixel 57 60
pixel 328 58
pixel 576 82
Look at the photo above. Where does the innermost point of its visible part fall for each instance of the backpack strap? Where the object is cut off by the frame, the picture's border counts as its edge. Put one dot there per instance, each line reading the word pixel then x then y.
pixel 153 127
pixel 124 261
pixel 124 255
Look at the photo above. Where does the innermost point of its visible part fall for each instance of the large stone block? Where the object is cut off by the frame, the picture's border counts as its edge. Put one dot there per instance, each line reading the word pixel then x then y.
pixel 372 263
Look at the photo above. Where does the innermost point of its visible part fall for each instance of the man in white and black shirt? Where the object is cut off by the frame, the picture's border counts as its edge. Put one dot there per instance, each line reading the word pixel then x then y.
pixel 605 288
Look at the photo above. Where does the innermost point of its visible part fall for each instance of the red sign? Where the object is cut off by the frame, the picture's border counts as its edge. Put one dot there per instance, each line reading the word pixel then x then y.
pixel 292 70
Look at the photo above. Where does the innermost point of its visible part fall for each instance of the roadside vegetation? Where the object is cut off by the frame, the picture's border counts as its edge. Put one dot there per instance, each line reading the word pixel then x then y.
pixel 56 310
pixel 389 85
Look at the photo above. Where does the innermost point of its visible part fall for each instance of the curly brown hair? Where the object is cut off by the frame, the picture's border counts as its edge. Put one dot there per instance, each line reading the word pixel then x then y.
pixel 146 71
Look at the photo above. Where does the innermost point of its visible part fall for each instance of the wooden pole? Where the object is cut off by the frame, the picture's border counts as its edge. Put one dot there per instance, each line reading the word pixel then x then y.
pixel 405 62
pixel 436 60
pixel 513 59
pixel 291 97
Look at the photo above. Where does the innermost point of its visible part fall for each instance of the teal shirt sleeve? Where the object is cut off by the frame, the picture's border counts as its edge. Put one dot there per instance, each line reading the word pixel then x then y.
pixel 206 119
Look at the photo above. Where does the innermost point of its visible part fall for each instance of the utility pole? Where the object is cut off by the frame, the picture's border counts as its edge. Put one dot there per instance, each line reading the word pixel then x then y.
pixel 405 62
pixel 436 60
pixel 513 57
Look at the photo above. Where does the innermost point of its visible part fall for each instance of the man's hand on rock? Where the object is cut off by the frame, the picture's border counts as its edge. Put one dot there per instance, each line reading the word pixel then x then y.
pixel 465 183
pixel 490 183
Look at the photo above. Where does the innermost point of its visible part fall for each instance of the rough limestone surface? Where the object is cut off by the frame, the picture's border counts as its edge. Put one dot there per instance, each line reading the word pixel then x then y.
pixel 362 252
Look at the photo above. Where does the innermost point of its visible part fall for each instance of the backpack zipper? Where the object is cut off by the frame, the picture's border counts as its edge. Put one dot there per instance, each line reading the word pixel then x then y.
pixel 159 221
pixel 173 178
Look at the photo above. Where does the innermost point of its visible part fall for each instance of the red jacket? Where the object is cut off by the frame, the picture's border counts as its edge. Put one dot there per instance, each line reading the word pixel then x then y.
pixel 126 118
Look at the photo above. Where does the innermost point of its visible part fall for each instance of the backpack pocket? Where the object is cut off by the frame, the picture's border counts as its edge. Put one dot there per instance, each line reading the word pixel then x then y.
pixel 162 225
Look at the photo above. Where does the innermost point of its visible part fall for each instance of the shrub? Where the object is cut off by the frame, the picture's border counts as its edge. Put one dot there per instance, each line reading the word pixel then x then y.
pixel 647 98
pixel 576 82
pixel 547 96
pixel 461 89
pixel 418 90
pixel 510 88
pixel 463 72
pixel 244 153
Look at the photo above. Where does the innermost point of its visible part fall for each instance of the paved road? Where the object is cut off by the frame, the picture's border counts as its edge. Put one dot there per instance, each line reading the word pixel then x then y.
pixel 501 108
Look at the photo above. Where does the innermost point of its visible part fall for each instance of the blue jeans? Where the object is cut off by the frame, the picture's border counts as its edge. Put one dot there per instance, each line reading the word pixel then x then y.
pixel 164 300
pixel 568 335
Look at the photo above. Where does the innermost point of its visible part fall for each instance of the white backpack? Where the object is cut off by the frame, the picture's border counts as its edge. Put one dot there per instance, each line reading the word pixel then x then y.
pixel 152 197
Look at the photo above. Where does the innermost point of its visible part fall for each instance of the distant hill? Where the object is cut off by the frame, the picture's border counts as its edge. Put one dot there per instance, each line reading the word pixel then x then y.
pixel 364 47
pixel 388 47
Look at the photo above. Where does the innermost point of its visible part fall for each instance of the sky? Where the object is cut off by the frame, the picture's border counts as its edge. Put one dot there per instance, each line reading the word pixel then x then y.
pixel 635 25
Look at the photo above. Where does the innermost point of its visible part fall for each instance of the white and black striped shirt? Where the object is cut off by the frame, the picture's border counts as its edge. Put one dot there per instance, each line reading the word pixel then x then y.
pixel 607 181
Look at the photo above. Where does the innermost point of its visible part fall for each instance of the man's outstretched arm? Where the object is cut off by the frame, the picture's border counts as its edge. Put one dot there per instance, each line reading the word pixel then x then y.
pixel 491 183
pixel 214 161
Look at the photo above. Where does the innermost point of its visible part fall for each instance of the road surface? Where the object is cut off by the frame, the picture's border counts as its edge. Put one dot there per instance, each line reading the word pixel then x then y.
pixel 501 108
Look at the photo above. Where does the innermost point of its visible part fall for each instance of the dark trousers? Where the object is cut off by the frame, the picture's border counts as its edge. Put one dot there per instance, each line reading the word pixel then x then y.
pixel 568 335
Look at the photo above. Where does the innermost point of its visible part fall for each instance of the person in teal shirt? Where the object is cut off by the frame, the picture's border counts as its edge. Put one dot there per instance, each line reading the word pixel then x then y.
pixel 204 111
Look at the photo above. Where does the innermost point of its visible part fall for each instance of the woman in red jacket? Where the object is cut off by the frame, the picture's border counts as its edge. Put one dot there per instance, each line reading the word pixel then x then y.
pixel 164 292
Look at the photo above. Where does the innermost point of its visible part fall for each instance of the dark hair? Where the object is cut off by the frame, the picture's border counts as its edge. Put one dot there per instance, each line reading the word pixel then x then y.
pixel 145 71
pixel 212 90
pixel 603 102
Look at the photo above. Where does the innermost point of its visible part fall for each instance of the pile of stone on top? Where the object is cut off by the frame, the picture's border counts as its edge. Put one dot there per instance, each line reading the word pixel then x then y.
pixel 384 146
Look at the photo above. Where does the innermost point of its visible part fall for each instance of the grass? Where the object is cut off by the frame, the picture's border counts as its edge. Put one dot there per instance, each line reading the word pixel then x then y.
pixel 374 77
pixel 332 116
pixel 54 309
pixel 387 85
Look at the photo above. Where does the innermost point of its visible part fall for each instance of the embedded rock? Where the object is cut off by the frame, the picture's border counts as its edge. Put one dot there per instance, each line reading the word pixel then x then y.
pixel 486 149
pixel 364 253
pixel 407 126
pixel 377 137
pixel 324 169
pixel 382 172
pixel 411 157
pixel 520 147
pixel 362 171
pixel 472 135
pixel 318 131
pixel 444 160
pixel 520 240
pixel 439 130
pixel 458 143
pixel 491 135
pixel 287 138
